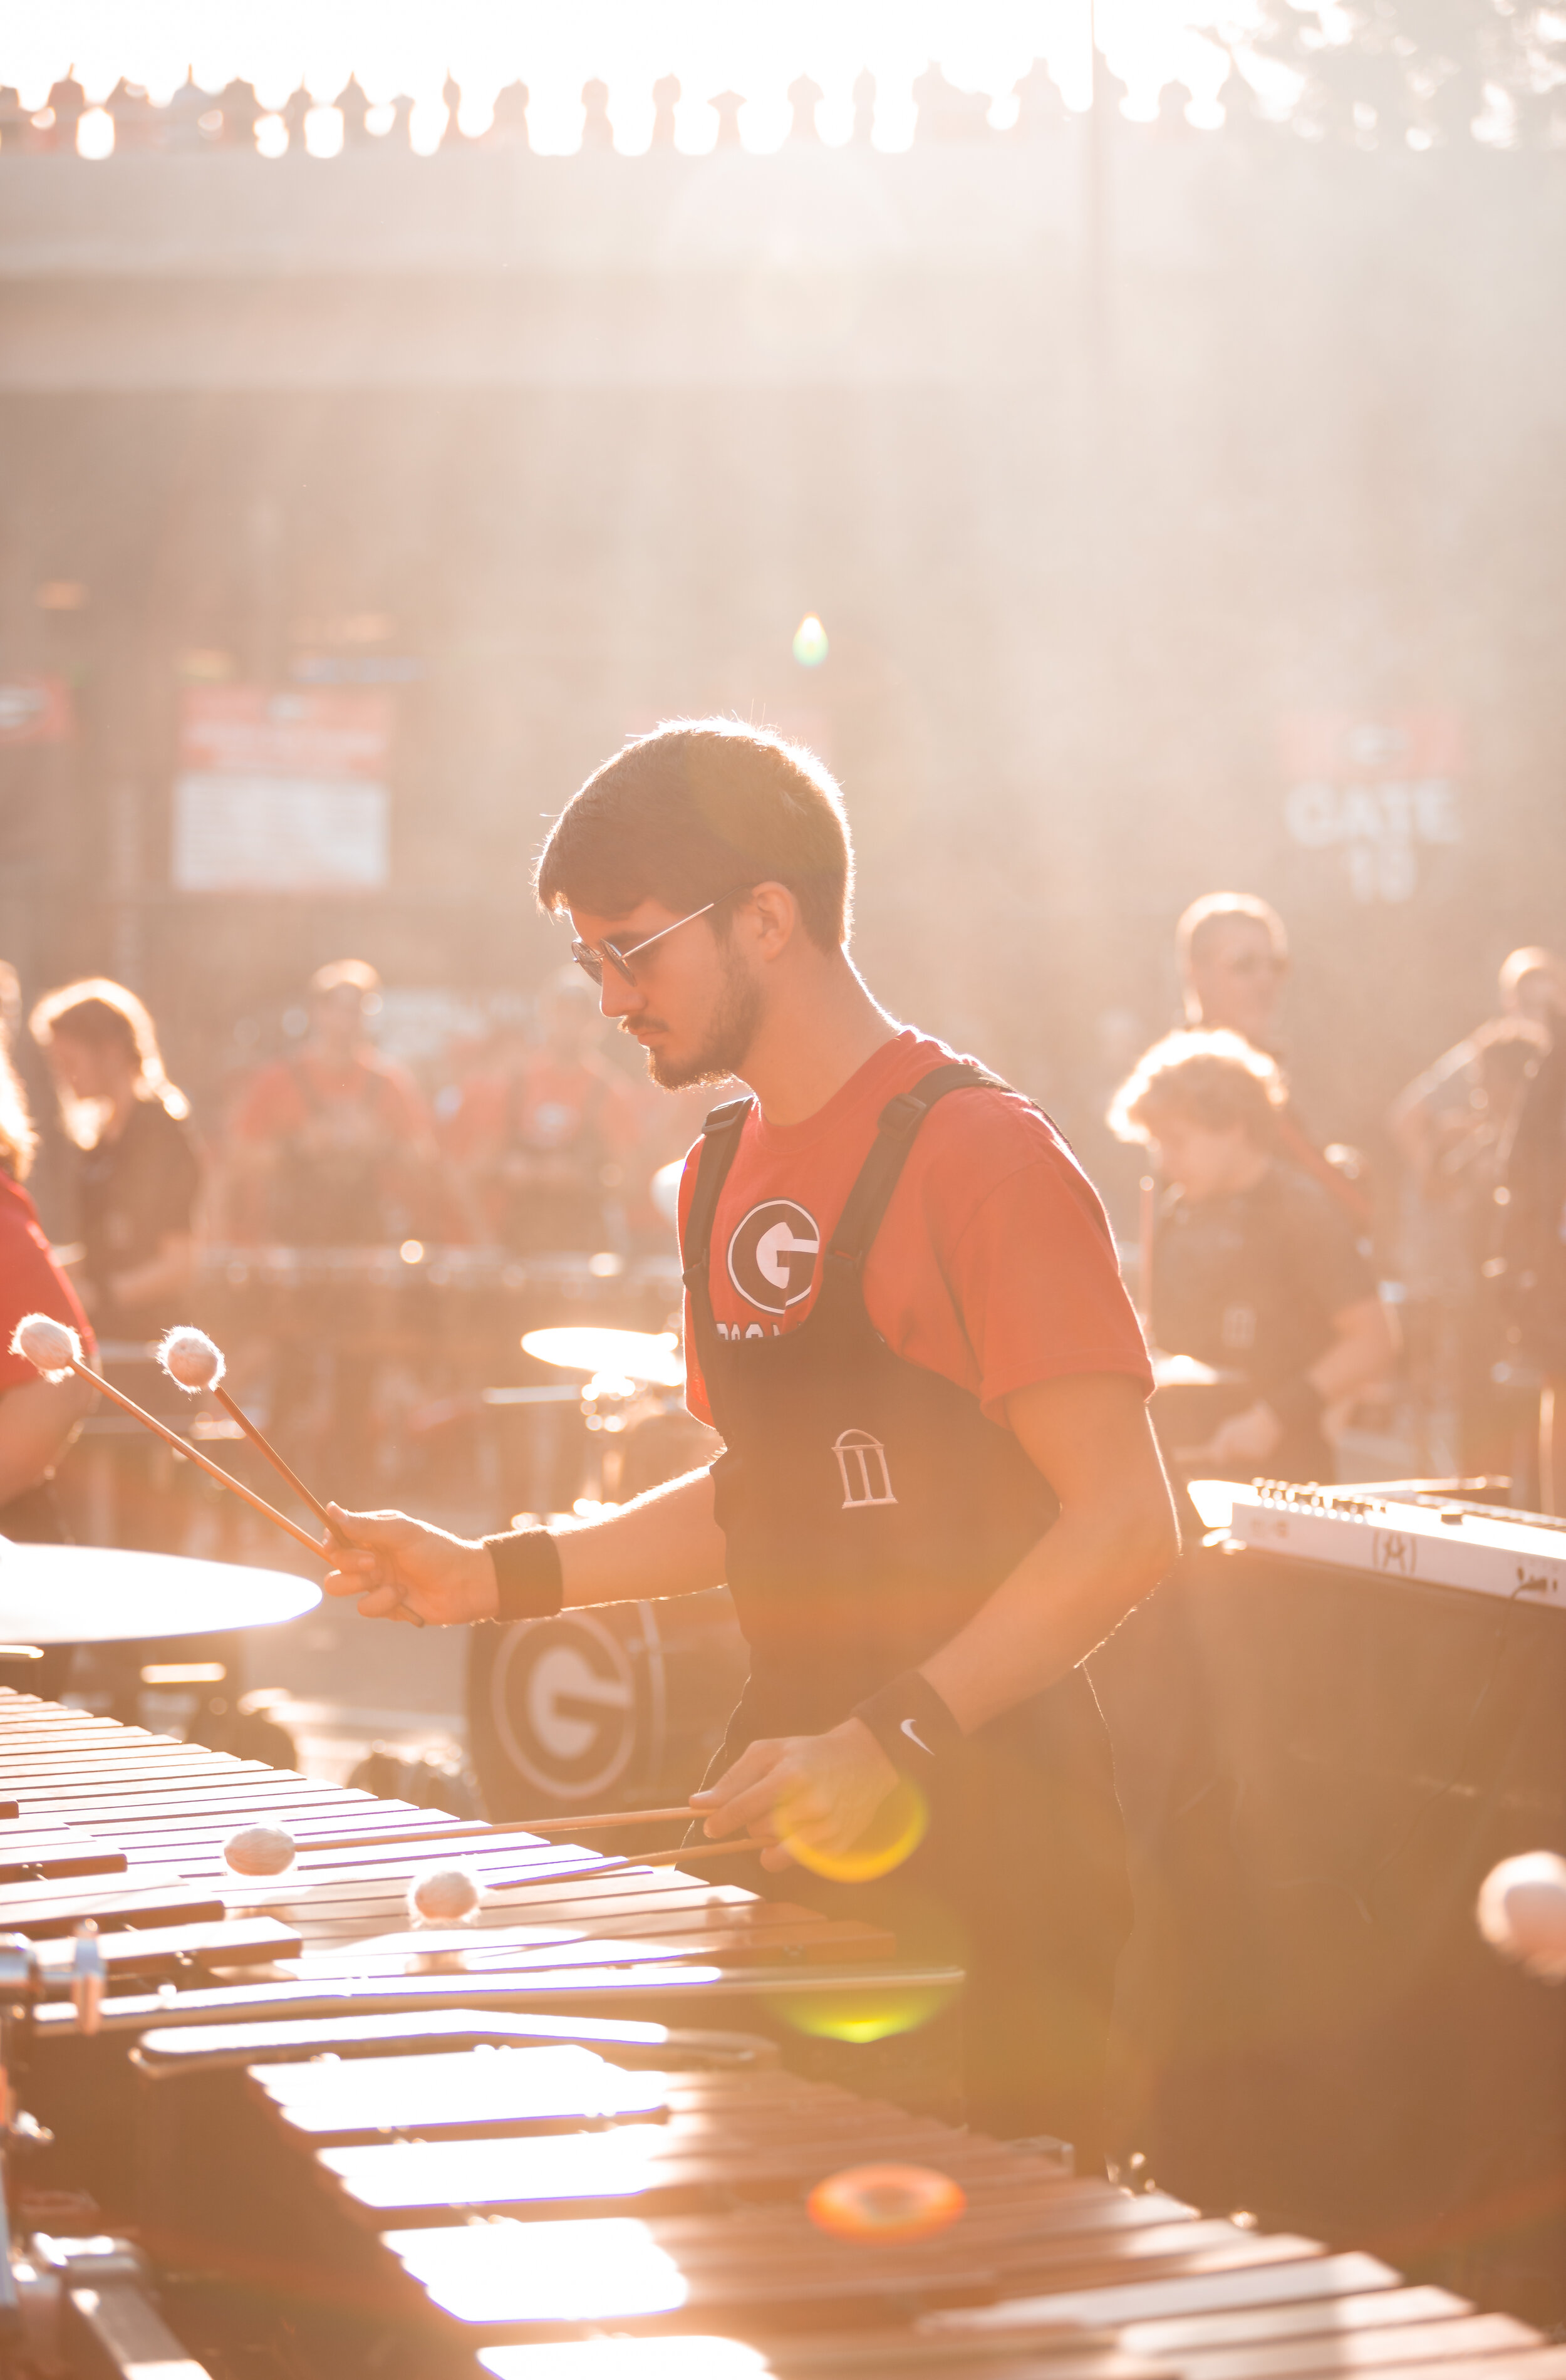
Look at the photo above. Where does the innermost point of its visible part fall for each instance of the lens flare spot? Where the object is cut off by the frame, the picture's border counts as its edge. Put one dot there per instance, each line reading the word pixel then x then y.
pixel 885 2202
pixel 861 2016
pixel 897 1829
pixel 810 647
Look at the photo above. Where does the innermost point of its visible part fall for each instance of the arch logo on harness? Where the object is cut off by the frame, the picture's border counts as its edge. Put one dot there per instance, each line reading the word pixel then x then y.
pixel 773 1254
pixel 564 1700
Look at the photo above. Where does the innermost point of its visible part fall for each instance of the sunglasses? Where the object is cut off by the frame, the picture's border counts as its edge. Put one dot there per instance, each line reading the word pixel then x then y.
pixel 591 961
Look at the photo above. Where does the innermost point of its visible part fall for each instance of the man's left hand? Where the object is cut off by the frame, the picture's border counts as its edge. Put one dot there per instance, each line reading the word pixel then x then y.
pixel 818 1790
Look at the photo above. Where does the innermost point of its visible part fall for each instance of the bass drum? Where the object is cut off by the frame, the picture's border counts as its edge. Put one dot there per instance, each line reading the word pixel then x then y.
pixel 617 1708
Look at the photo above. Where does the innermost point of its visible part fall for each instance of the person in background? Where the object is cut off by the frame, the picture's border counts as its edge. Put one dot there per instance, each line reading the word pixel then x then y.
pixel 1452 1126
pixel 1234 958
pixel 332 1147
pixel 1256 1271
pixel 1531 1206
pixel 38 1417
pixel 139 1174
pixel 137 1184
pixel 546 1143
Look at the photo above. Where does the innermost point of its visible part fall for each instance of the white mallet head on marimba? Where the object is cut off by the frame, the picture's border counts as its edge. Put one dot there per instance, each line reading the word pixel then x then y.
pixel 444 1895
pixel 1523 1912
pixel 260 1851
pixel 53 1347
pixel 192 1361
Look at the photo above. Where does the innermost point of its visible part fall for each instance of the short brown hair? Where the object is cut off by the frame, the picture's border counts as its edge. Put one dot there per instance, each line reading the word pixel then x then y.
pixel 698 810
pixel 1197 926
pixel 1214 1079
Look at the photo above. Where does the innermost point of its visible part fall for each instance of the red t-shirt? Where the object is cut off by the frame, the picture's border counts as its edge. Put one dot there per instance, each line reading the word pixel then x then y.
pixel 549 1105
pixel 30 1283
pixel 273 1105
pixel 993 1264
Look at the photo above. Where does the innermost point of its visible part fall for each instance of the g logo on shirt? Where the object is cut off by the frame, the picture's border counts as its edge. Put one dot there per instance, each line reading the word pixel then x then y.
pixel 772 1255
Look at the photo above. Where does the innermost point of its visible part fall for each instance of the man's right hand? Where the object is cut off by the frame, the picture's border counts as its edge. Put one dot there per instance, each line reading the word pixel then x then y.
pixel 398 1568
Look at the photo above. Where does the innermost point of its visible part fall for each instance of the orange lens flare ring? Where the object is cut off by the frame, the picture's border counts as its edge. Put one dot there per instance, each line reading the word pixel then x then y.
pixel 896 1830
pixel 885 2202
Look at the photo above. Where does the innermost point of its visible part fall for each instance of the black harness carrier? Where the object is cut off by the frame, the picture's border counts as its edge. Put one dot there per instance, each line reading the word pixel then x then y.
pixel 871 1508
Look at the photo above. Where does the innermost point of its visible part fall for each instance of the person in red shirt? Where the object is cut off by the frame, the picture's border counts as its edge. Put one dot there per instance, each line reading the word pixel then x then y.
pixel 38 1417
pixel 332 1147
pixel 938 1491
pixel 544 1142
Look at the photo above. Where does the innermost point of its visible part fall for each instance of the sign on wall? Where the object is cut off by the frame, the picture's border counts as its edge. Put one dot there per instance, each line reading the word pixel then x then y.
pixel 282 791
pixel 34 710
pixel 1380 791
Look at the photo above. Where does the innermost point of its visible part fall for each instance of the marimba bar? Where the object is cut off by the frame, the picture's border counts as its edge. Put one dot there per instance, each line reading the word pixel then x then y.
pixel 354 2148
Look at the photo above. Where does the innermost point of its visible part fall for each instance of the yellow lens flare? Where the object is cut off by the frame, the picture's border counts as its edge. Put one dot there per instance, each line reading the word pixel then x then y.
pixel 861 2015
pixel 897 1829
pixel 810 647
pixel 885 2202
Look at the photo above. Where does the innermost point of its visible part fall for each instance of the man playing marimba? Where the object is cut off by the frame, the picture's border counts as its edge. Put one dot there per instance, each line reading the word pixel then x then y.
pixel 939 1489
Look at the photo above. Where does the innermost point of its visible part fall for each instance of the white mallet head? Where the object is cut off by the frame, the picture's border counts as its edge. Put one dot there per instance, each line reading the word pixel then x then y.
pixel 190 1359
pixel 53 1347
pixel 260 1851
pixel 444 1895
pixel 1523 1912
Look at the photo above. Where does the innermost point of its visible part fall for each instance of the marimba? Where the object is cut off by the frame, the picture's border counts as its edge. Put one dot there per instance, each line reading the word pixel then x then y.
pixel 531 2149
pixel 441 2202
pixel 126 1830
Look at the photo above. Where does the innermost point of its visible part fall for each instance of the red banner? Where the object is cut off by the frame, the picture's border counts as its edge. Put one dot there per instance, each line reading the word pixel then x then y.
pixel 34 710
pixel 1344 745
pixel 254 730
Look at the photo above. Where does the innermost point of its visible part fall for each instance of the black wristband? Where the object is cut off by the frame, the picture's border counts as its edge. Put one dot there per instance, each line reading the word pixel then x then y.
pixel 528 1581
pixel 1297 1402
pixel 911 1724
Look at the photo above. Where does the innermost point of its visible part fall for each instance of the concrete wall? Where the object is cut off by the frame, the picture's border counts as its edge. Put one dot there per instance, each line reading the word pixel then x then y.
pixel 595 432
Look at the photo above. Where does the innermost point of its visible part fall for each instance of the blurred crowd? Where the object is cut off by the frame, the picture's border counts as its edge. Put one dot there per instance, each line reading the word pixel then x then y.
pixel 535 1139
pixel 367 1249
pixel 1284 1289
pixel 1291 1297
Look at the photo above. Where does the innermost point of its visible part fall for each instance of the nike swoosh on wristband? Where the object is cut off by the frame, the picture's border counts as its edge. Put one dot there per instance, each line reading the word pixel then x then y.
pixel 911 1731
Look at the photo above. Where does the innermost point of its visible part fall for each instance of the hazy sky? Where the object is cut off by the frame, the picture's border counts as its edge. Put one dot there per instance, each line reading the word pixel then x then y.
pixel 756 47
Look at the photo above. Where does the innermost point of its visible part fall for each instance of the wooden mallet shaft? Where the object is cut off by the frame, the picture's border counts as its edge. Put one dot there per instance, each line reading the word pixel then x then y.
pixel 599 1822
pixel 236 1413
pixel 194 1362
pixel 192 1453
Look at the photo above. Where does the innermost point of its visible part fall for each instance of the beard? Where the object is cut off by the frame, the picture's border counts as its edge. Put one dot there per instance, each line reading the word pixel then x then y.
pixel 726 1043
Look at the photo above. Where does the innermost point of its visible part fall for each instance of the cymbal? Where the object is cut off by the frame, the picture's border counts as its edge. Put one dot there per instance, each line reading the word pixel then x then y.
pixel 98 1594
pixel 651 1356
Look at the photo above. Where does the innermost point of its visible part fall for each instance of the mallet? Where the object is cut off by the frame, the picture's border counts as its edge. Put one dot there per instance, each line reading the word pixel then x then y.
pixel 54 1348
pixel 194 1362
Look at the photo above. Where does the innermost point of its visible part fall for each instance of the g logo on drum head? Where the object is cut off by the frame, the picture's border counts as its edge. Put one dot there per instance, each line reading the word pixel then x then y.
pixel 563 1699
